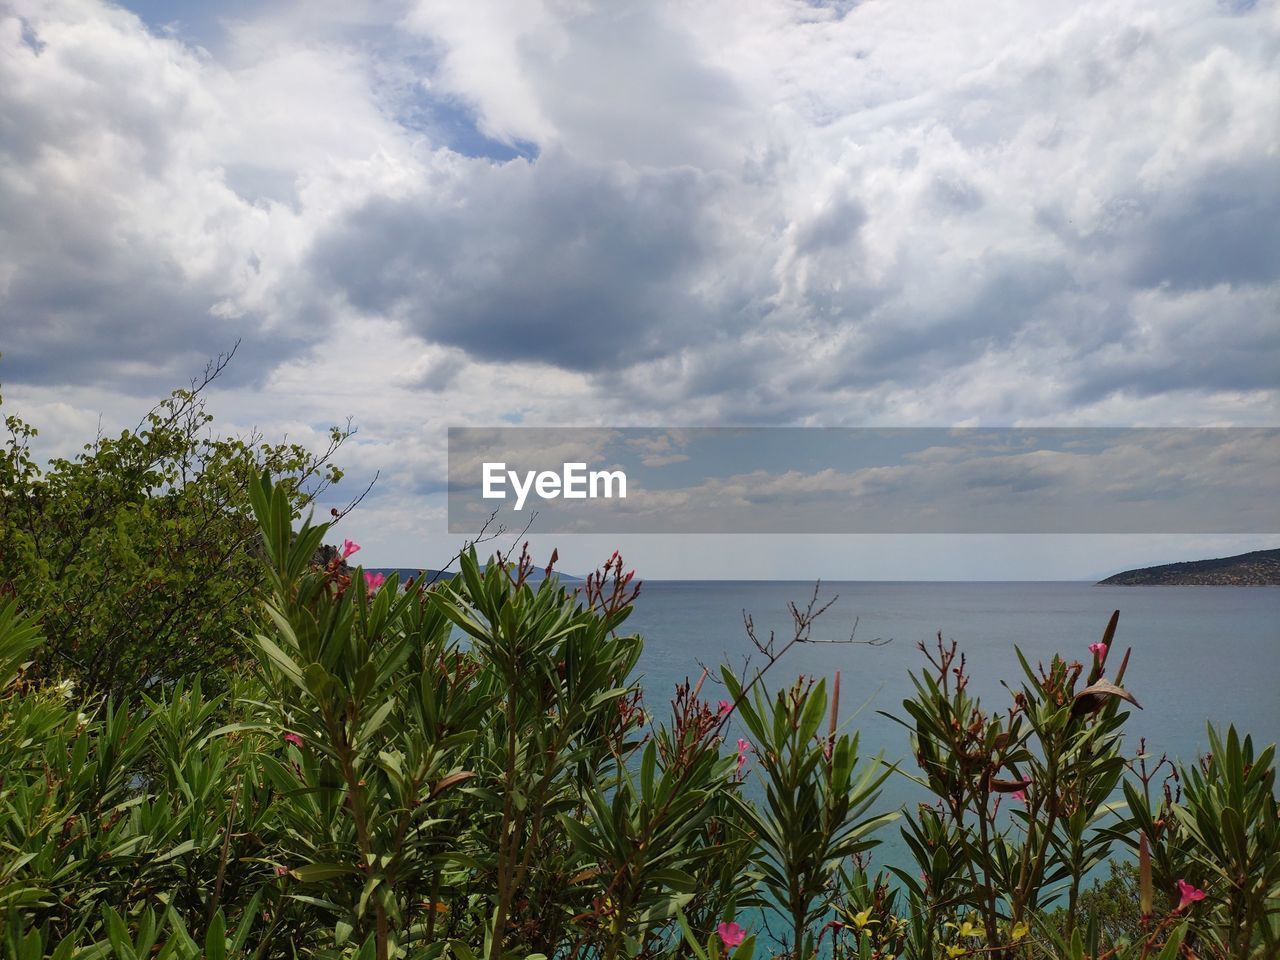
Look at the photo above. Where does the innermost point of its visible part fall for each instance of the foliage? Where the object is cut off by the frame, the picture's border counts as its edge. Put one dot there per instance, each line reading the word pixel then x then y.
pixel 1216 825
pixel 814 817
pixel 1026 806
pixel 1051 760
pixel 468 769
pixel 1112 905
pixel 138 554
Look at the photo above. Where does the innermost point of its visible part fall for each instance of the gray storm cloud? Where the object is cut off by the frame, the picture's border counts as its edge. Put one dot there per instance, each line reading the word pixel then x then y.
pixel 772 213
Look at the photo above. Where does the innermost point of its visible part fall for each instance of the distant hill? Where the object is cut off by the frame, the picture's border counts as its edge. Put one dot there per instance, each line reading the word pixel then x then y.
pixel 414 572
pixel 535 575
pixel 1259 568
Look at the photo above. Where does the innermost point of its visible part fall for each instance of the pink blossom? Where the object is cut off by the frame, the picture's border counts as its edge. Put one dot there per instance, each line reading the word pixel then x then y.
pixel 349 547
pixel 281 871
pixel 744 747
pixel 724 707
pixel 1019 795
pixel 731 934
pixel 1099 650
pixel 293 738
pixel 1187 895
pixel 374 580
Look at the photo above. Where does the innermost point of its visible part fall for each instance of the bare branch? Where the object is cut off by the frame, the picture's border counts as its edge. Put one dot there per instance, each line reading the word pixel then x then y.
pixel 802 621
pixel 484 535
pixel 339 514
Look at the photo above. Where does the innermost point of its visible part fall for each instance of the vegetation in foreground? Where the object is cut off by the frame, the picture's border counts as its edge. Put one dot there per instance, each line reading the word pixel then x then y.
pixel 335 766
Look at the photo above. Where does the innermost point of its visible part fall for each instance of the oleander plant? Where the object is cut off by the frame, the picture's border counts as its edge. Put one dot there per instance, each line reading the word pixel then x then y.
pixel 469 768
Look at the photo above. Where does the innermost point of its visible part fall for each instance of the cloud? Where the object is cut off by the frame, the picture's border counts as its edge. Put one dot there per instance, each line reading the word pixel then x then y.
pixel 557 211
pixel 1217 339
pixel 1222 230
pixel 908 481
pixel 623 81
pixel 583 266
pixel 661 450
pixel 794 215
pixel 154 200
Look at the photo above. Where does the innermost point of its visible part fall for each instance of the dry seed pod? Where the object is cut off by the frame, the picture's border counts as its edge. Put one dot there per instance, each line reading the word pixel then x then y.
pixel 1095 696
pixel 451 780
pixel 1007 786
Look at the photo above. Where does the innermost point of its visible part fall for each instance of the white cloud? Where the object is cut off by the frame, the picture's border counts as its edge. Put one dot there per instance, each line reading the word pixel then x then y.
pixel 748 212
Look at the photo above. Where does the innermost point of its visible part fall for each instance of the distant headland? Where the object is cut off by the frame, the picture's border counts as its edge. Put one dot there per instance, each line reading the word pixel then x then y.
pixel 1257 569
pixel 536 575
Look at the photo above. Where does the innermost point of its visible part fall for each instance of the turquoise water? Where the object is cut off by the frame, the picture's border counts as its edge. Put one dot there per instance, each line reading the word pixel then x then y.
pixel 1199 653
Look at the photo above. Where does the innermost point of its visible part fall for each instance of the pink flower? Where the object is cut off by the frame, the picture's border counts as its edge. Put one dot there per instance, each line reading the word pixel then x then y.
pixel 1019 795
pixel 281 871
pixel 374 580
pixel 293 738
pixel 731 934
pixel 1099 650
pixel 349 547
pixel 724 708
pixel 1187 895
pixel 744 747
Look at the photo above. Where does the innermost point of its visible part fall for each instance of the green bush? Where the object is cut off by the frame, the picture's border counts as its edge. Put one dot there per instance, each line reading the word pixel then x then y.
pixel 139 554
pixel 468 769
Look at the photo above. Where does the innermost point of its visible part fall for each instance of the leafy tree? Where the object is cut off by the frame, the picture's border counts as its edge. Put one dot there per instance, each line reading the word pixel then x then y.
pixel 1112 905
pixel 138 554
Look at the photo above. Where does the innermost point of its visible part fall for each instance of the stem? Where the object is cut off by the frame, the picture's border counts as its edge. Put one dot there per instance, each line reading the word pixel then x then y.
pixel 990 918
pixel 505 838
pixel 356 798
pixel 1073 898
pixel 226 850
pixel 537 801
pixel 1026 880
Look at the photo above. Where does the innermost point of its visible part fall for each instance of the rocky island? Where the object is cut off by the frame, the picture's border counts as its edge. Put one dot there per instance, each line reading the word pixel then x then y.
pixel 1256 569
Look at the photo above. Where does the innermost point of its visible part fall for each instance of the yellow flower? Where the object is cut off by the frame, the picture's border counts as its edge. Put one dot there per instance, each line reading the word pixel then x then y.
pixel 609 910
pixel 1020 930
pixel 860 920
pixel 955 951
pixel 966 929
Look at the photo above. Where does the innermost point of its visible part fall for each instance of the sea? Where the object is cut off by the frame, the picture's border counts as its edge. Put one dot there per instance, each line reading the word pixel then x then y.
pixel 1200 654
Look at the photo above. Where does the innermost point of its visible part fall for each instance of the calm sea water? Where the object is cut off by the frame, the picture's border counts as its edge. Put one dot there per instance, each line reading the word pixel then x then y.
pixel 1200 654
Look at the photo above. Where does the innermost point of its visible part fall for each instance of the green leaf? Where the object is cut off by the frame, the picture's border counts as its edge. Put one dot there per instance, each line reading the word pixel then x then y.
pixel 282 661
pixel 317 872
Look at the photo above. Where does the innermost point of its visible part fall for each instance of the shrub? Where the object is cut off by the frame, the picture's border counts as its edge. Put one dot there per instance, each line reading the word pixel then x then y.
pixel 139 554
pixel 468 769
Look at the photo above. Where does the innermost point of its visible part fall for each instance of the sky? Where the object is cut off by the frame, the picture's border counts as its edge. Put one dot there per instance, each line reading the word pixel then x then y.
pixel 748 480
pixel 651 213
